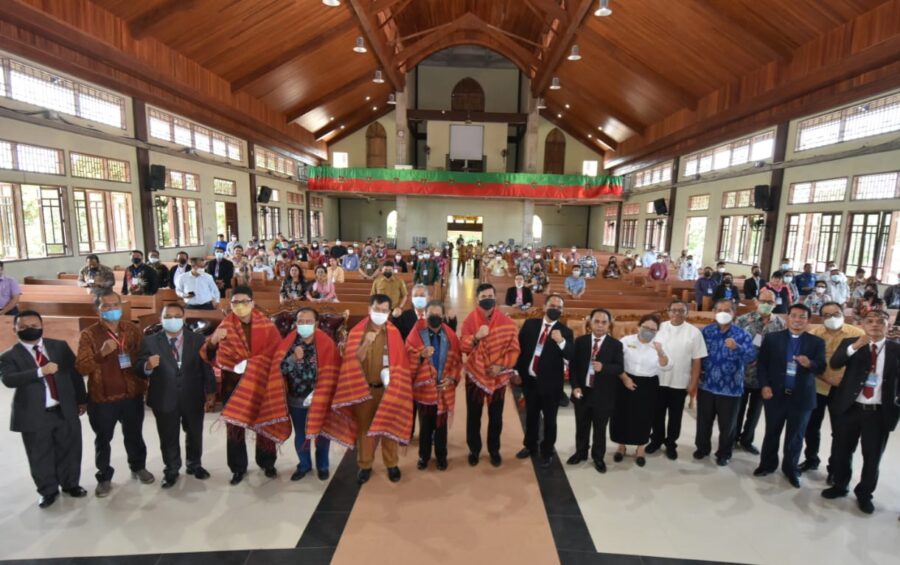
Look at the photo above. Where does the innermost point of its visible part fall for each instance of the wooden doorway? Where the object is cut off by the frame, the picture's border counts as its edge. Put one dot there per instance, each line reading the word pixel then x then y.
pixel 555 153
pixel 376 147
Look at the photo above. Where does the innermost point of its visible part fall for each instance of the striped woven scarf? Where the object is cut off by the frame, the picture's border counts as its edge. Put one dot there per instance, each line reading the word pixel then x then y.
pixel 425 389
pixel 500 347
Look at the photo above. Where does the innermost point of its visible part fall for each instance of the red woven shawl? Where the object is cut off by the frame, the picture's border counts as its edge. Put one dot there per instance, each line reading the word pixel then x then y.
pixel 424 374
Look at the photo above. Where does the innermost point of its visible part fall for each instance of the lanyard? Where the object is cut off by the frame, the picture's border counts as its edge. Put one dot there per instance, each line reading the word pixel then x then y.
pixel 120 343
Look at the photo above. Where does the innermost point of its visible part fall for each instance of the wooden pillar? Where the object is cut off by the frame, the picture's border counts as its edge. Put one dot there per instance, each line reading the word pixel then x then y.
pixel 618 225
pixel 767 255
pixel 670 223
pixel 145 195
pixel 307 213
pixel 254 211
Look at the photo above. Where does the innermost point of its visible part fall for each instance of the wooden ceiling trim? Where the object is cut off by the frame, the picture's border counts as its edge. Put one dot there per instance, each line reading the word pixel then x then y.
pixel 378 44
pixel 330 96
pixel 354 120
pixel 144 24
pixel 550 116
pixel 291 54
pixel 559 47
pixel 393 13
pixel 550 8
pixel 573 92
pixel 463 115
pixel 350 129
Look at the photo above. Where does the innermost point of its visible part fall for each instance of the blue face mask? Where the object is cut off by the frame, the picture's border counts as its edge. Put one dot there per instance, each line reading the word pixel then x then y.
pixel 173 325
pixel 112 315
pixel 419 302
pixel 306 330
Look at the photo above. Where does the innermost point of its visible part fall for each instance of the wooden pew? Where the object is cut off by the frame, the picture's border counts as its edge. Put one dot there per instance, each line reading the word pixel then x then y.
pixel 66 328
pixel 74 309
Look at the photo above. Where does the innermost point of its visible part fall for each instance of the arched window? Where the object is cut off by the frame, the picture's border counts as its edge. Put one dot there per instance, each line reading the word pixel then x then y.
pixel 391 229
pixel 376 146
pixel 537 228
pixel 467 96
pixel 555 153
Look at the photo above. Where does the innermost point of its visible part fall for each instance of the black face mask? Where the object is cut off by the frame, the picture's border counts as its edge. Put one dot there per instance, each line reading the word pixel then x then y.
pixel 435 321
pixel 182 262
pixel 388 274
pixel 707 274
pixel 755 273
pixel 553 314
pixel 727 281
pixel 30 334
pixel 487 304
pixel 137 261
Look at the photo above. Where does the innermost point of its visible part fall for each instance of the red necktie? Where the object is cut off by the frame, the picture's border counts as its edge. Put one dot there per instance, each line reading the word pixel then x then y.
pixel 541 340
pixel 594 351
pixel 51 379
pixel 869 391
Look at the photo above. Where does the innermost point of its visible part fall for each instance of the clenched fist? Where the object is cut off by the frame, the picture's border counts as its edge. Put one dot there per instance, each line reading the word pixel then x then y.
pixel 730 343
pixel 597 365
pixel 556 336
pixel 861 342
pixel 369 338
pixel 108 347
pixel 427 352
pixel 153 362
pixel 50 368
pixel 482 332
pixel 218 335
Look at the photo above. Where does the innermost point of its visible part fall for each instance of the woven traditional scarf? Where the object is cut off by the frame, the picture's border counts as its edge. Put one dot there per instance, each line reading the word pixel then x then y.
pixel 424 373
pixel 258 402
pixel 327 371
pixel 393 418
pixel 500 347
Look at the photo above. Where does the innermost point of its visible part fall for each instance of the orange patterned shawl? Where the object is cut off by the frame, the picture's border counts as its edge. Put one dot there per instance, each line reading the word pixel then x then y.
pixel 500 347
pixel 258 402
pixel 328 368
pixel 424 374
pixel 394 416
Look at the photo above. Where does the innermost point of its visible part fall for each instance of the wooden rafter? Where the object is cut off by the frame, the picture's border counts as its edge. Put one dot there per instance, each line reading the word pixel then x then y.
pixel 550 8
pixel 350 128
pixel 394 13
pixel 330 96
pixel 550 116
pixel 580 95
pixel 560 45
pixel 143 24
pixel 377 42
pixel 362 113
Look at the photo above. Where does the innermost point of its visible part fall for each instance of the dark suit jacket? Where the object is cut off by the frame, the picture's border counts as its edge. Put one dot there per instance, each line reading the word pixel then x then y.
pixel 771 367
pixel 169 385
pixel 226 273
pixel 857 369
pixel 611 354
pixel 148 274
pixel 527 297
pixel 551 369
pixel 751 289
pixel 719 293
pixel 18 370
pixel 175 270
pixel 406 321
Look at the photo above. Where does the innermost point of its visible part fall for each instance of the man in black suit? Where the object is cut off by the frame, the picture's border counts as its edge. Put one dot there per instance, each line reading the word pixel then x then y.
pixel 787 366
pixel 181 388
pixel 406 321
pixel 140 278
pixel 49 398
pixel 545 345
pixel 597 362
pixel 754 284
pixel 519 295
pixel 864 406
pixel 222 271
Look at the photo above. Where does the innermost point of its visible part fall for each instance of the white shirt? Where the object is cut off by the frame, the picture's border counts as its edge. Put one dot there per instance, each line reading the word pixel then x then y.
pixel 687 272
pixel 178 271
pixel 49 402
pixel 596 343
pixel 203 287
pixel 838 291
pixel 538 348
pixel 686 343
pixel 641 359
pixel 270 274
pixel 879 370
pixel 648 259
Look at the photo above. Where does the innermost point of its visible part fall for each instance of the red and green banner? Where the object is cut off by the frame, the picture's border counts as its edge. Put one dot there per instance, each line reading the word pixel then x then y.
pixel 446 183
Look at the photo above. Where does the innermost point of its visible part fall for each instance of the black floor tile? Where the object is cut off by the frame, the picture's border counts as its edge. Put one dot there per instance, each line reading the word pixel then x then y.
pixel 205 558
pixel 673 561
pixel 150 559
pixel 324 530
pixel 567 557
pixel 570 533
pixel 291 556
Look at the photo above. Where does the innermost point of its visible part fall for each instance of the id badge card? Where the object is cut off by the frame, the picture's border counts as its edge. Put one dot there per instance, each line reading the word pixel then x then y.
pixel 425 273
pixel 386 376
pixel 757 340
pixel 872 380
pixel 368 266
pixel 778 301
pixel 124 361
pixel 790 375
pixel 709 291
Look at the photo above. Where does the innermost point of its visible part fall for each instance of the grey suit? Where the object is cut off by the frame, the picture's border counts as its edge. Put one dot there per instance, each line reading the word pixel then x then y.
pixel 177 396
pixel 52 438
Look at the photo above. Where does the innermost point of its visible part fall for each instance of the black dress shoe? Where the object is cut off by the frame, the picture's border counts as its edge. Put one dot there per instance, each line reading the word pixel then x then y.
pixel 523 453
pixel 169 481
pixel 698 455
pixel 421 464
pixel 563 401
pixel 546 462
pixel 652 448
pixel 760 472
pixel 600 466
pixel 834 492
pixel 671 453
pixel 75 492
pixel 363 475
pixel 794 479
pixel 749 448
pixel 199 473
pixel 640 461
pixel 271 472
pixel 441 464
pixel 496 460
pixel 473 459
pixel 323 474
pixel 865 505
pixel 618 457
pixel 808 466
pixel 47 501
pixel 829 480
pixel 722 461
pixel 298 474
pixel 237 478
pixel 394 474
pixel 576 459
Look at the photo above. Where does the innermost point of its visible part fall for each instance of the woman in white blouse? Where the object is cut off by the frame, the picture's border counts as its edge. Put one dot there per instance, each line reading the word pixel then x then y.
pixel 636 395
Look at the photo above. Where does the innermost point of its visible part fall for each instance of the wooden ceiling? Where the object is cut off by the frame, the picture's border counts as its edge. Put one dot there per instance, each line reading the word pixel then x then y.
pixel 650 74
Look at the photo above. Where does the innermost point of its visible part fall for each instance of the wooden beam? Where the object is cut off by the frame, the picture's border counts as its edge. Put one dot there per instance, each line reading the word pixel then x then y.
pixel 312 43
pixel 632 63
pixel 143 24
pixel 32 19
pixel 148 233
pixel 351 128
pixel 394 13
pixel 462 115
pixel 768 251
pixel 550 116
pixel 581 94
pixel 559 47
pixel 351 118
pixel 551 8
pixel 307 107
pixel 376 6
pixel 377 43
pixel 254 209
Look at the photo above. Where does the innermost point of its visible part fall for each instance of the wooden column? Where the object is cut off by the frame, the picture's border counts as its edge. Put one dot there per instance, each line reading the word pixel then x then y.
pixel 618 224
pixel 254 211
pixel 676 166
pixel 308 212
pixel 767 255
pixel 145 195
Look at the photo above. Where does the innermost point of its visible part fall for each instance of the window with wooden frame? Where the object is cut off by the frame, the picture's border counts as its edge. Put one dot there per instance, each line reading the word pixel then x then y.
pixel 812 238
pixel 467 96
pixel 269 160
pixel 32 221
pixel 698 203
pixel 609 232
pixel 175 129
pixel 629 234
pixel 740 239
pixel 315 224
pixel 104 221
pixel 655 233
pixel 178 180
pixel 295 198
pixel 750 149
pixel 100 168
pixel 224 187
pixel 295 222
pixel 555 152
pixel 814 192
pixel 857 121
pixel 737 199
pixel 269 221
pixel 31 158
pixel 879 186
pixel 632 209
pixel 874 244
pixel 653 175
pixel 178 221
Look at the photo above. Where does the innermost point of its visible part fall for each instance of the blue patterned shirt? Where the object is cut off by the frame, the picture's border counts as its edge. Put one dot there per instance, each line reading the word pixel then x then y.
pixel 723 368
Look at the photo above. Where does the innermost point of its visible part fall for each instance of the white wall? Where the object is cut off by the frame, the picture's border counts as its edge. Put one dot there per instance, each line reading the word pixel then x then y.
pixel 355 144
pixel 499 85
pixel 564 226
pixel 494 144
pixel 576 152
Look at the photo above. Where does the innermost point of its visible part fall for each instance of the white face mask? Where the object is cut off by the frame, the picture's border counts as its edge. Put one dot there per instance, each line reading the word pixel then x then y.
pixel 378 318
pixel 519 284
pixel 723 318
pixel 834 323
pixel 721 269
pixel 820 290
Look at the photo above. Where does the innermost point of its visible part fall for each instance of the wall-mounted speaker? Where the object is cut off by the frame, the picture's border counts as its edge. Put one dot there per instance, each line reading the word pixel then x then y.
pixel 265 193
pixel 157 178
pixel 761 197
pixel 659 206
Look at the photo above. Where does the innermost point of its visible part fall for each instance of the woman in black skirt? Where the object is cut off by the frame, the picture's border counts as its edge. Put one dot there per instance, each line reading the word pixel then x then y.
pixel 637 390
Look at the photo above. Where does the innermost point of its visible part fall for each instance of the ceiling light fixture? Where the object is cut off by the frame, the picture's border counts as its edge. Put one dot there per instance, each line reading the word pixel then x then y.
pixel 368 98
pixel 392 99
pixel 342 127
pixel 567 106
pixel 603 10
pixel 575 54
pixel 599 128
pixel 554 84
pixel 374 108
pixel 378 78
pixel 541 105
pixel 331 3
pixel 559 116
pixel 590 136
pixel 360 46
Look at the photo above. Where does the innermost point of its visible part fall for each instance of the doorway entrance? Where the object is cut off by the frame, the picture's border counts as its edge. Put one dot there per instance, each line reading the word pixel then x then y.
pixel 470 228
pixel 226 219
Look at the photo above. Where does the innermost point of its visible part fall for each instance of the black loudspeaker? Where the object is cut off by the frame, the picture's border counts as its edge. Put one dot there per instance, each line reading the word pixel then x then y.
pixel 659 206
pixel 157 180
pixel 761 196
pixel 265 193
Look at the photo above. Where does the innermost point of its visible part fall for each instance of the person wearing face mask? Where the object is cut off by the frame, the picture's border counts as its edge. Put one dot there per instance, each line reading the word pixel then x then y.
pixel 243 269
pixel 574 284
pixel 490 342
pixel 338 250
pixel 806 281
pixel 612 269
pixel 94 275
pixel 757 324
pixel 659 271
pixel 589 265
pixel 705 287
pixel 107 352
pixel 139 279
pixel 540 281
pixel 229 249
pixel 786 264
pixel 315 254
pixel 462 257
pixel 833 331
pixel 400 263
pixel 243 347
pixel 782 291
pixel 687 271
pixel 222 271
pixel 754 283
pixel 637 389
pixel 443 263
pixel 789 364
pixel 162 272
pixel 519 295
pixel 546 347
pixel 308 361
pixel 182 267
pixel 837 286
pixel 719 272
pixel 181 388
pixel 335 271
pixel 857 286
pixel 282 265
pixel 427 272
pixel 791 282
pixel 392 286
pixel 524 264
pixel 816 299
pixel 302 251
pixel 49 397
pixel 411 316
pixel 350 262
pixel 721 385
pixel 198 289
pixel 649 257
pixel 220 244
pixel 628 263
pixel 369 266
pixel 259 266
pixel 435 361
pixel 373 400
pixel 10 292
pixel 727 289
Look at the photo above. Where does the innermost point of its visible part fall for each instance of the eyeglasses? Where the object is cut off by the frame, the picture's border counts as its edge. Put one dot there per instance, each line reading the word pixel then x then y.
pixel 105 307
pixel 238 302
pixel 678 310
pixel 835 315
pixel 769 302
